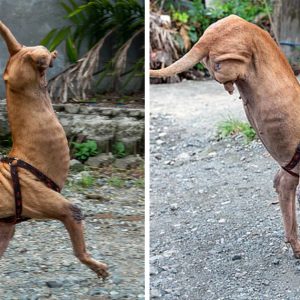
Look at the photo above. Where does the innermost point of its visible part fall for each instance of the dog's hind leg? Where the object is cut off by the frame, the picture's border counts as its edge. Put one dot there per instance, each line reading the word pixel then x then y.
pixel 73 221
pixel 44 203
pixel 7 231
pixel 286 185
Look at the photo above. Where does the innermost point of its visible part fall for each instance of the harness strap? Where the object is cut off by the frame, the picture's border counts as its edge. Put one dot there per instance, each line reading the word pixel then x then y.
pixel 14 164
pixel 293 163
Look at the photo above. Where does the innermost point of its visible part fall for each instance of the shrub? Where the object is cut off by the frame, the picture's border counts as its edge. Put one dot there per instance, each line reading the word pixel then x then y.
pixel 119 150
pixel 84 150
pixel 232 127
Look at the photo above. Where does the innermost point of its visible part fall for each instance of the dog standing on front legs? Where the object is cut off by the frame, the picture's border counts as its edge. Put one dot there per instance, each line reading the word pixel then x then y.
pixel 38 139
pixel 238 52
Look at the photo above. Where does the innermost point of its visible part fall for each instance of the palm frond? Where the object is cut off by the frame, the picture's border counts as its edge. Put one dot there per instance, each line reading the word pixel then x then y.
pixel 77 78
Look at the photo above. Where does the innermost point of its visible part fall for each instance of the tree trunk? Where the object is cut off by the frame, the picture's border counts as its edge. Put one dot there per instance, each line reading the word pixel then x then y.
pixel 288 27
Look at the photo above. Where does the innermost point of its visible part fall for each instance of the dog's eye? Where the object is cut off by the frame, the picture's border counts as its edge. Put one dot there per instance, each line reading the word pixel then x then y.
pixel 217 67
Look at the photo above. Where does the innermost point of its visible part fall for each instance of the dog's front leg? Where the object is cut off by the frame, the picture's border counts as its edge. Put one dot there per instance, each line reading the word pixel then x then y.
pixel 7 231
pixel 285 185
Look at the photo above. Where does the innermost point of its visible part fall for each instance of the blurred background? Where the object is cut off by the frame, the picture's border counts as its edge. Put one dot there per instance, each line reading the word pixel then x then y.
pixel 100 44
pixel 175 26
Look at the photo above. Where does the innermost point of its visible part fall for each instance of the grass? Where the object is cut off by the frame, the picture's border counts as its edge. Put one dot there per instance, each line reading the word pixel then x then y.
pixel 87 181
pixel 140 183
pixel 116 182
pixel 233 127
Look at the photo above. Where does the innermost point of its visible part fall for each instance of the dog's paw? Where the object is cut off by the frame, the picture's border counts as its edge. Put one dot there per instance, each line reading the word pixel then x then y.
pixel 101 270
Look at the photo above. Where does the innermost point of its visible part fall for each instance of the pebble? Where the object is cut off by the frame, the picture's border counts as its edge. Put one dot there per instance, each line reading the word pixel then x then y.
pixel 54 284
pixel 160 142
pixel 174 206
pixel 155 293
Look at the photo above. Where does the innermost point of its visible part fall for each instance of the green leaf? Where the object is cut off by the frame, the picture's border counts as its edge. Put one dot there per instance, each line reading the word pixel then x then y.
pixel 46 40
pixel 71 50
pixel 60 36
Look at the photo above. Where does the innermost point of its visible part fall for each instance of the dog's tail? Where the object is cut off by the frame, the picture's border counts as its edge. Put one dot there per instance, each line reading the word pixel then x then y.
pixel 12 44
pixel 194 56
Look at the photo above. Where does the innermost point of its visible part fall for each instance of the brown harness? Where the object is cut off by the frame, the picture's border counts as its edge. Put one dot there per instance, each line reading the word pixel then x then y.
pixel 293 163
pixel 16 163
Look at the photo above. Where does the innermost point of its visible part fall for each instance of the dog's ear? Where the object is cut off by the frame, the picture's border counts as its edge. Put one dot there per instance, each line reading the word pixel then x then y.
pixel 13 45
pixel 53 57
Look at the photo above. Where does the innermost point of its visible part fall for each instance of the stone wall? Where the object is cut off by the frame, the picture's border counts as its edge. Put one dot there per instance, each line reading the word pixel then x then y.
pixel 105 125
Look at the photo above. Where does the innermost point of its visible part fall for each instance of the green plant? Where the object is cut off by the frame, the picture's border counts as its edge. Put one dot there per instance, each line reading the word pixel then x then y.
pixel 91 23
pixel 120 101
pixel 232 127
pixel 191 19
pixel 119 150
pixel 6 141
pixel 116 182
pixel 201 18
pixel 181 17
pixel 84 150
pixel 140 183
pixel 87 181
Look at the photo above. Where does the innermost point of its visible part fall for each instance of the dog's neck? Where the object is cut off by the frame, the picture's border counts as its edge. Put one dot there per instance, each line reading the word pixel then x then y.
pixel 38 138
pixel 266 82
pixel 272 102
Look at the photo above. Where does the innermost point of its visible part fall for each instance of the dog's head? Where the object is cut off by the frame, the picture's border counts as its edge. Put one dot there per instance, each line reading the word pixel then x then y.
pixel 229 49
pixel 26 65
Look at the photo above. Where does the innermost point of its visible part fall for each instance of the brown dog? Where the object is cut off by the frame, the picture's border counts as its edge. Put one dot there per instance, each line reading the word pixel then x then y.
pixel 38 139
pixel 238 52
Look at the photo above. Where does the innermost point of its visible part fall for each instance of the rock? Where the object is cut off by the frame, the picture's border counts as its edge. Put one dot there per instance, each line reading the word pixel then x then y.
pixel 236 257
pixel 98 197
pixel 134 113
pixel 86 110
pixel 4 128
pixel 174 206
pixel 101 160
pixel 128 162
pixel 153 270
pixel 76 165
pixel 183 157
pixel 72 108
pixel 160 142
pixel 155 293
pixel 54 284
pixel 162 134
pixel 128 128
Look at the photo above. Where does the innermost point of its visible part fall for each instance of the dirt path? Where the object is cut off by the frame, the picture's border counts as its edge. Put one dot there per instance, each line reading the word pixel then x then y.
pixel 216 230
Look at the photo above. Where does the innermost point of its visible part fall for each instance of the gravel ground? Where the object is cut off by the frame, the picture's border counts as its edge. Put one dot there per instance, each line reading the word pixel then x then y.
pixel 39 263
pixel 216 228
